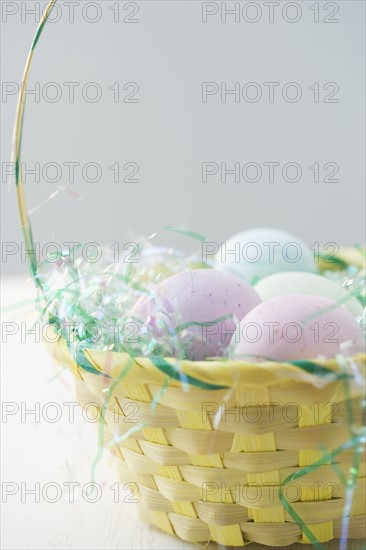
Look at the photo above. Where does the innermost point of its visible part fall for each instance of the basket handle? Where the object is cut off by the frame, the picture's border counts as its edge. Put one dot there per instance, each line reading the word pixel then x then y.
pixel 16 155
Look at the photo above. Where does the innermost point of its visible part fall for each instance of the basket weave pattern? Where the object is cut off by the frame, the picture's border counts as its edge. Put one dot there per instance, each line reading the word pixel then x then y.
pixel 206 478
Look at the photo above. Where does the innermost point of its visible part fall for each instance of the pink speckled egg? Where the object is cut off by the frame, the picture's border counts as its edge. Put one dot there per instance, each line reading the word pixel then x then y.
pixel 297 326
pixel 196 311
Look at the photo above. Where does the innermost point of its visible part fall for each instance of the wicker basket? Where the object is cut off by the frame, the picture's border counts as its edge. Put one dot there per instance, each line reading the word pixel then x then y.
pixel 205 480
pixel 263 470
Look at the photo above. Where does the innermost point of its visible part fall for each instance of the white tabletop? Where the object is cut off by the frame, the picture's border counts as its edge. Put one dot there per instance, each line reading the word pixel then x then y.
pixel 37 450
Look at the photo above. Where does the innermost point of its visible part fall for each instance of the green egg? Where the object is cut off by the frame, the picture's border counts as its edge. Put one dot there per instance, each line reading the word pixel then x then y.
pixel 300 282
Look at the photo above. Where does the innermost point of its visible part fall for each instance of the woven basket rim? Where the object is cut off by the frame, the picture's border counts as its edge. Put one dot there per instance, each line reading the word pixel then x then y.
pixel 211 375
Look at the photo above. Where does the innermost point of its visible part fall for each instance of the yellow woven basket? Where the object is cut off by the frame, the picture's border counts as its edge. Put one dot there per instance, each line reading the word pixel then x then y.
pixel 206 476
pixel 265 458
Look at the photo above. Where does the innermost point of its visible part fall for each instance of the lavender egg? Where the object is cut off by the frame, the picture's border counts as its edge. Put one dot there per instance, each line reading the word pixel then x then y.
pixel 194 313
pixel 297 326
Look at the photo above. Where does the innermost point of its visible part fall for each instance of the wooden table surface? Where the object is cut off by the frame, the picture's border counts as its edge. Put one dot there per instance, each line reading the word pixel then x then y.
pixel 45 455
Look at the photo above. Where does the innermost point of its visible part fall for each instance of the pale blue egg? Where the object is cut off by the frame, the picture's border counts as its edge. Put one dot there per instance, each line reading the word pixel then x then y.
pixel 257 253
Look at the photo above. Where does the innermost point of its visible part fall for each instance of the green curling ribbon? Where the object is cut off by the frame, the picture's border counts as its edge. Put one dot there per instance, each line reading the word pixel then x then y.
pixel 83 362
pixel 189 324
pixel 174 373
pixel 186 232
pixel 328 457
pixel 333 260
pixel 102 422
pixel 319 370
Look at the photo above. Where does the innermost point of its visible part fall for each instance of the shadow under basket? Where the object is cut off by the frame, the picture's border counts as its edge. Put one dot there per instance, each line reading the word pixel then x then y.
pixel 209 463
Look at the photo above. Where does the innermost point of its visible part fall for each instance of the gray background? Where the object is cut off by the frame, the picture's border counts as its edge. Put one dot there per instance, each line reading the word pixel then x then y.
pixel 170 131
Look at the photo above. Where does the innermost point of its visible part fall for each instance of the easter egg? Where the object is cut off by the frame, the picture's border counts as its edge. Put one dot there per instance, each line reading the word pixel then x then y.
pixel 193 313
pixel 297 326
pixel 257 253
pixel 152 264
pixel 299 282
pixel 155 263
